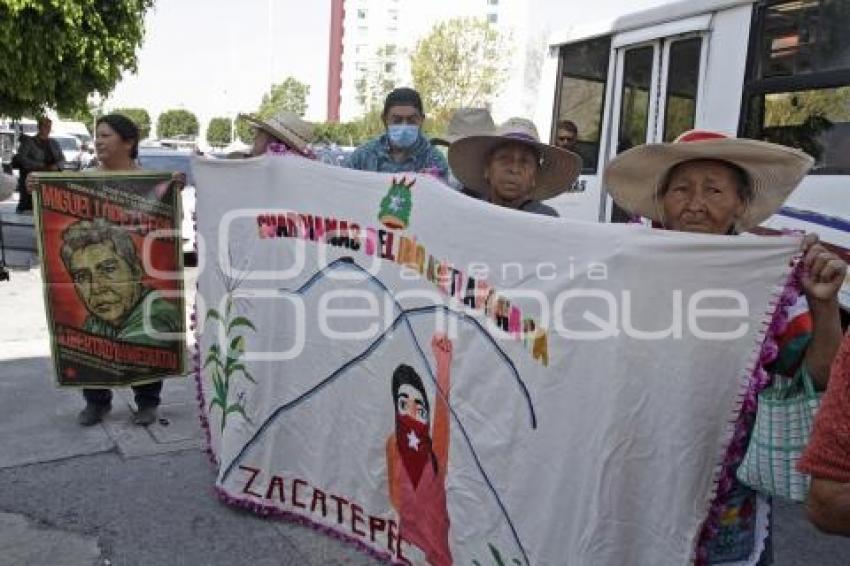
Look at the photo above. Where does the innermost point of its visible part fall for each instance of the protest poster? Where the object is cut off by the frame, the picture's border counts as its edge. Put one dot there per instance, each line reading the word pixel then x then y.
pixel 112 269
pixel 443 381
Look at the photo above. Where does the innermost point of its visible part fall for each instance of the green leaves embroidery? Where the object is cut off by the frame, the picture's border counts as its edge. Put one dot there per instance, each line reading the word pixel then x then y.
pixel 225 366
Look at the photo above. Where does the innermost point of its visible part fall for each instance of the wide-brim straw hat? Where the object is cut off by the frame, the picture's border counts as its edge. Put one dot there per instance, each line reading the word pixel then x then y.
pixel 635 178
pixel 559 168
pixel 466 122
pixel 286 126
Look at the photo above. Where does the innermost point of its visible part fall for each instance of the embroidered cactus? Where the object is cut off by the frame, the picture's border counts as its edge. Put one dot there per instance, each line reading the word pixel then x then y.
pixel 395 206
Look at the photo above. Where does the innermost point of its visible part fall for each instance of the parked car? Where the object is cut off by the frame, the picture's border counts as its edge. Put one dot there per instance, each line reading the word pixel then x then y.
pixel 332 154
pixel 72 149
pixel 76 129
pixel 161 159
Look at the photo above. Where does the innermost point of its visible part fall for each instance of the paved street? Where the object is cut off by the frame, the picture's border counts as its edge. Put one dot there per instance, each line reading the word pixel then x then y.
pixel 116 493
pixel 120 494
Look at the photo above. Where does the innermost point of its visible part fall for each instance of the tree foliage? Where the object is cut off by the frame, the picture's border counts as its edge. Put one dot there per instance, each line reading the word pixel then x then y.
pixel 290 95
pixel 800 119
pixel 462 62
pixel 54 53
pixel 173 123
pixel 245 132
pixel 794 108
pixel 351 133
pixel 139 116
pixel 218 131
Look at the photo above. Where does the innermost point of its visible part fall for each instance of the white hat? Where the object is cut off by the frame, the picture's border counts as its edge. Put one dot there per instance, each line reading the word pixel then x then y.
pixel 466 122
pixel 558 170
pixel 635 178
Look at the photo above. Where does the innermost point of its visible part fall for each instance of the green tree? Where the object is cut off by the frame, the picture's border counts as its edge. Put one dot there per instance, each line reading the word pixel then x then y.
pixel 800 119
pixel 290 95
pixel 54 54
pixel 331 132
pixel 245 132
pixel 218 131
pixel 795 108
pixel 351 133
pixel 139 116
pixel 462 62
pixel 367 126
pixel 172 123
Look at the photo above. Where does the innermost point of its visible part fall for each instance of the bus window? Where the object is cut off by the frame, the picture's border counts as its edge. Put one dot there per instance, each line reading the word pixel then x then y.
pixel 800 37
pixel 581 95
pixel 798 88
pixel 682 83
pixel 634 108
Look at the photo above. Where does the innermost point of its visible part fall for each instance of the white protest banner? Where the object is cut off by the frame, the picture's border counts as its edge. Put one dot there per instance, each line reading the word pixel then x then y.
pixel 445 381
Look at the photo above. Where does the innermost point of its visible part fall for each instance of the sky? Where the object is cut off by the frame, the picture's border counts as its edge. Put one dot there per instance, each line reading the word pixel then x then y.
pixel 218 57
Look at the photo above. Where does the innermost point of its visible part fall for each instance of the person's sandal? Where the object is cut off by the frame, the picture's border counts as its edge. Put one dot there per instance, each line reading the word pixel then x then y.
pixel 92 414
pixel 145 416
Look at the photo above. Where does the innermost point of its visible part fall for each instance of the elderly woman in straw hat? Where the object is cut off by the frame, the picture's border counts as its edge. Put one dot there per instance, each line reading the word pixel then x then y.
pixel 510 167
pixel 285 129
pixel 708 183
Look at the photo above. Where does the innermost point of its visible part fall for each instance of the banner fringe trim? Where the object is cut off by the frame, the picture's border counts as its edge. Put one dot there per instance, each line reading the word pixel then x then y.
pixel 196 362
pixel 754 380
pixel 271 512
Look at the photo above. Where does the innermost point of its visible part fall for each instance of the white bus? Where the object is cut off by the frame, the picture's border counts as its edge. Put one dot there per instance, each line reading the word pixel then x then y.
pixel 776 70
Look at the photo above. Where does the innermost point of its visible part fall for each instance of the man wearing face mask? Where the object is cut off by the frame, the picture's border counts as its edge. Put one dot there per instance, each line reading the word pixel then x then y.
pixel 402 148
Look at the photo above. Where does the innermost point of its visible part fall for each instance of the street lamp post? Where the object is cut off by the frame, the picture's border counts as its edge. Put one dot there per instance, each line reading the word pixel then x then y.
pixel 96 102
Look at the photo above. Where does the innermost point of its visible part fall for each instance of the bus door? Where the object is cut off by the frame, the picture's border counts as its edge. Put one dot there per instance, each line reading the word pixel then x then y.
pixel 657 80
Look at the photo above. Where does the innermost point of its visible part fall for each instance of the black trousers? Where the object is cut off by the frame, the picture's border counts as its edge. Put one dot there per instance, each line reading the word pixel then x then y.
pixel 146 395
pixel 25 202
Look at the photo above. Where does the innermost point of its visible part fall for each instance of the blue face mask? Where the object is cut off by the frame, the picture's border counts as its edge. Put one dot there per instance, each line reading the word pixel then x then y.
pixel 403 136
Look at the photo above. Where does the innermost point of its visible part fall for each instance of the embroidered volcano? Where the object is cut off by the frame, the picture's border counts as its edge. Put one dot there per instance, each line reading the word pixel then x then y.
pixel 395 206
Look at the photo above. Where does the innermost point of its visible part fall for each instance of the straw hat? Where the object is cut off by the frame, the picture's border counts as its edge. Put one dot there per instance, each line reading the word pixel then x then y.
pixel 558 170
pixel 285 126
pixel 466 122
pixel 635 177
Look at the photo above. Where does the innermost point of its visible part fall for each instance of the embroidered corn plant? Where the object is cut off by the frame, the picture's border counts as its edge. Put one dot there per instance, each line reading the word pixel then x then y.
pixel 226 366
pixel 498 560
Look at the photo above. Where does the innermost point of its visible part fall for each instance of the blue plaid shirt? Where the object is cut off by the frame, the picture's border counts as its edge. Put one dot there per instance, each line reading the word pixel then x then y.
pixel 374 155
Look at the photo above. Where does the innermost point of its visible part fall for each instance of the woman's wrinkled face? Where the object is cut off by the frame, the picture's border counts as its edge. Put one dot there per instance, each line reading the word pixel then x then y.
pixel 702 196
pixel 109 145
pixel 105 282
pixel 510 172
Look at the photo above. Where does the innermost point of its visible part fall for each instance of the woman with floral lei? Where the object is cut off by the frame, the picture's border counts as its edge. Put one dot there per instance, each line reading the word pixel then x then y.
pixel 282 133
